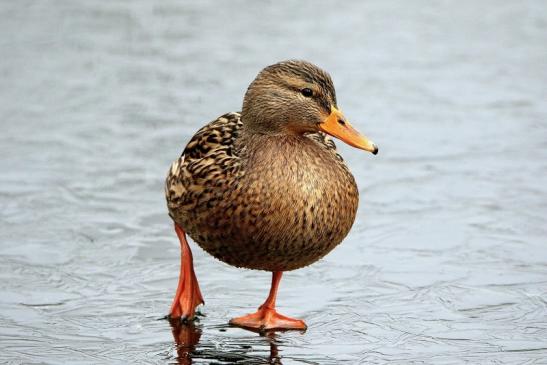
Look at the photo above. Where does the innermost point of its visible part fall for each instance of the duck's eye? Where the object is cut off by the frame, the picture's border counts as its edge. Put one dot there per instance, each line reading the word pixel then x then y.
pixel 307 92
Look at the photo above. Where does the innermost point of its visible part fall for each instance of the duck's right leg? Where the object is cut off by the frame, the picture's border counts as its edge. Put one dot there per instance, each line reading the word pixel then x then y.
pixel 267 318
pixel 188 295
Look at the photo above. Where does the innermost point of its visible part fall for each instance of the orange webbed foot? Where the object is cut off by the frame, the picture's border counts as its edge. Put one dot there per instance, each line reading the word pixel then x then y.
pixel 185 303
pixel 188 295
pixel 268 319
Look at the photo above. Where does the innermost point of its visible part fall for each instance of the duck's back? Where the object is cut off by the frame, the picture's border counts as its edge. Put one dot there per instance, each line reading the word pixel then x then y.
pixel 271 203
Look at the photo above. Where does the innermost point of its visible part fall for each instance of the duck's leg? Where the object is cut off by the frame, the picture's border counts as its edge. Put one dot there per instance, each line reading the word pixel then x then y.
pixel 188 295
pixel 267 318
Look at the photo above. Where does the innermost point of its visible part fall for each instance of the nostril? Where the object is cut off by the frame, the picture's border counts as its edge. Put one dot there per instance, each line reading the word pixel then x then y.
pixel 341 122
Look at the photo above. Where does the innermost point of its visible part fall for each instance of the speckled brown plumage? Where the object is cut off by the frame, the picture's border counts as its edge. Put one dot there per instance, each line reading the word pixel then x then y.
pixel 265 191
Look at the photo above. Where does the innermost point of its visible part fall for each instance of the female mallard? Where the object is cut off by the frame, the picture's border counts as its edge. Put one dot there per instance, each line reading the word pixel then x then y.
pixel 265 189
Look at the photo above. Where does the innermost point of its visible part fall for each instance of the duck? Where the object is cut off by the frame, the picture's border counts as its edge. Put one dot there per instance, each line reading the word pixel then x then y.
pixel 265 188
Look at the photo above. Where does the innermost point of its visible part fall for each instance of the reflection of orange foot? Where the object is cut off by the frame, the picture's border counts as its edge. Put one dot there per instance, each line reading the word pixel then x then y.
pixel 268 319
pixel 186 336
pixel 188 295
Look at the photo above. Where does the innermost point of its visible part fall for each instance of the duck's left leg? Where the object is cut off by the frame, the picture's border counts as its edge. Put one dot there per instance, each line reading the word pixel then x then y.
pixel 267 318
pixel 188 295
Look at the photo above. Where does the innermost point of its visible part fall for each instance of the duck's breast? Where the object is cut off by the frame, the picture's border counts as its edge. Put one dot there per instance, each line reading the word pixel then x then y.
pixel 296 202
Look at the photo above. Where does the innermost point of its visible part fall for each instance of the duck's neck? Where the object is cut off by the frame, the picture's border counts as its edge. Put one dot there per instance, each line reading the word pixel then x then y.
pixel 268 148
pixel 266 127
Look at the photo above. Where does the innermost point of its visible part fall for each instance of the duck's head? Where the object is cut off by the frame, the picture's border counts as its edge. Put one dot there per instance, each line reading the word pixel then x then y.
pixel 297 97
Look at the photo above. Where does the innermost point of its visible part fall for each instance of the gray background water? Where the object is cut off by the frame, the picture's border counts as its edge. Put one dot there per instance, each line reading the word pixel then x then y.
pixel 446 263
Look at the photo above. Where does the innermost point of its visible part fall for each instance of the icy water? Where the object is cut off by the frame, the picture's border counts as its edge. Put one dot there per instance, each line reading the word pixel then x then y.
pixel 447 260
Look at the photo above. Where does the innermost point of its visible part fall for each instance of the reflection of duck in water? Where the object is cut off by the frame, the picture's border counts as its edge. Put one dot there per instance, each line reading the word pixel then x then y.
pixel 186 336
pixel 265 188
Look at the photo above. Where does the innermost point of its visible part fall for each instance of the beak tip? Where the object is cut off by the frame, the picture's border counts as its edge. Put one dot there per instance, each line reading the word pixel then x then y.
pixel 375 151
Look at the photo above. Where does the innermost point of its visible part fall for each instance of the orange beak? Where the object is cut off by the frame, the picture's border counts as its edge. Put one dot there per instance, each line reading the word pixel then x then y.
pixel 337 126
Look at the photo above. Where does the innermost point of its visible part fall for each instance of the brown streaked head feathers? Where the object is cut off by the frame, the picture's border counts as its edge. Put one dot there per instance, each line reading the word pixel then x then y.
pixel 276 102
